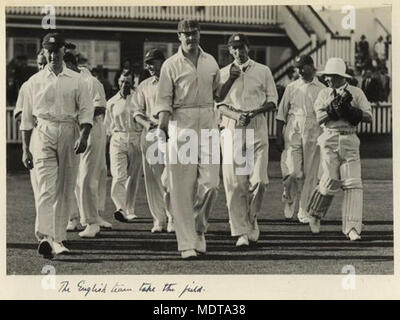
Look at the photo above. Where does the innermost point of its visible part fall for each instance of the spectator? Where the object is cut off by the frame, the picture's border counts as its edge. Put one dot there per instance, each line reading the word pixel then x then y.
pixel 372 86
pixel 363 50
pixel 101 74
pixel 379 50
pixel 385 80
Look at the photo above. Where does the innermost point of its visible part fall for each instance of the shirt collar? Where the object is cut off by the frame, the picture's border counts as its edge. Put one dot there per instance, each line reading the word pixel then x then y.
pixel 65 71
pixel 314 81
pixel 340 89
pixel 180 52
pixel 154 80
pixel 247 64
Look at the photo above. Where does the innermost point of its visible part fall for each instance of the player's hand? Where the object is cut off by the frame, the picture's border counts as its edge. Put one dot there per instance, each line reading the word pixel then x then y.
pixel 81 145
pixel 244 119
pixel 150 125
pixel 234 72
pixel 27 159
pixel 280 143
pixel 163 124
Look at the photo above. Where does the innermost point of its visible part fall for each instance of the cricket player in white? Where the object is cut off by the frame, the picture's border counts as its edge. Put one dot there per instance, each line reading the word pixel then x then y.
pixel 189 80
pixel 247 86
pixel 125 155
pixel 300 157
pixel 56 98
pixel 339 109
pixel 92 174
pixel 143 100
pixel 41 63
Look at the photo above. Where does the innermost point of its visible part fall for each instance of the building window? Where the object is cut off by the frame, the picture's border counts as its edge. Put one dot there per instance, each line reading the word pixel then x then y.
pixel 168 48
pixel 28 47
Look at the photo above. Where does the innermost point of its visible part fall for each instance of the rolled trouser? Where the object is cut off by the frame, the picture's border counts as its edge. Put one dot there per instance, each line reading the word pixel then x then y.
pixel 91 165
pixel 155 190
pixel 56 167
pixel 300 161
pixel 244 189
pixel 126 169
pixel 193 185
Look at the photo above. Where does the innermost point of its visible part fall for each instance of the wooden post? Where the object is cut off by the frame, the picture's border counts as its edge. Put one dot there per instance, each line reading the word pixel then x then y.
pixel 328 45
pixel 352 49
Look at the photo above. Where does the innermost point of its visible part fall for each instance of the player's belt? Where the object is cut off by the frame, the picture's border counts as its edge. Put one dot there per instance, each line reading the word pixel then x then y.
pixel 192 106
pixel 342 131
pixel 54 122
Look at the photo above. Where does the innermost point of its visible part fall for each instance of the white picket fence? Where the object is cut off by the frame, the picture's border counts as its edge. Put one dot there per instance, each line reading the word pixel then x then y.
pixel 381 124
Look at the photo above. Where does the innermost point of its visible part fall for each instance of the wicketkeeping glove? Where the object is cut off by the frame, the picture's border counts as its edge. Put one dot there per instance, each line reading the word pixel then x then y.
pixel 340 105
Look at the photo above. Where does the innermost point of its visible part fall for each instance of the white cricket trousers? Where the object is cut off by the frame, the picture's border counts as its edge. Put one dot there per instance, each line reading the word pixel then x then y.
pixel 126 169
pixel 300 161
pixel 156 192
pixel 193 186
pixel 56 167
pixel 245 190
pixel 92 174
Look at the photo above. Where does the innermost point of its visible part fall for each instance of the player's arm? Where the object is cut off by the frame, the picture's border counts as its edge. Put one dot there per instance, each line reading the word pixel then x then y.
pixel 281 118
pixel 234 73
pixel 86 113
pixel 26 127
pixel 321 107
pixel 139 110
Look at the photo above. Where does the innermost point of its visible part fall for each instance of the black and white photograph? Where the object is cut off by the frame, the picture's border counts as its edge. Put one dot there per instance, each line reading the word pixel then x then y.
pixel 188 140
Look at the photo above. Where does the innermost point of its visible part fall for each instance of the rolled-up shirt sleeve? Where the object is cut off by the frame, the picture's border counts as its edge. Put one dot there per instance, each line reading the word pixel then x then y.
pixel 363 102
pixel 27 119
pixel 99 99
pixel 271 92
pixel 165 92
pixel 84 103
pixel 284 106
pixel 217 84
pixel 139 103
pixel 20 100
pixel 321 105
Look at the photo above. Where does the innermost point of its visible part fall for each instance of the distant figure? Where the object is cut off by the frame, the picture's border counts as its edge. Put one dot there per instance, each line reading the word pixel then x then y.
pixel 379 50
pixel 352 81
pixel 101 74
pixel 363 49
pixel 385 80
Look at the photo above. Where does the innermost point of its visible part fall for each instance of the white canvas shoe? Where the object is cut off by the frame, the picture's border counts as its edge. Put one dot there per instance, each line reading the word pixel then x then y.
pixel 289 210
pixel 201 243
pixel 103 223
pixel 73 224
pixel 303 217
pixel 243 241
pixel 90 231
pixel 130 217
pixel 353 235
pixel 170 227
pixel 254 234
pixel 186 254
pixel 59 248
pixel 315 224
pixel 156 229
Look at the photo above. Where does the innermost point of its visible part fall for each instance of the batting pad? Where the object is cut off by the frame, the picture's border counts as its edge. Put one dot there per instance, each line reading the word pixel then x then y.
pixel 319 204
pixel 350 173
pixel 352 210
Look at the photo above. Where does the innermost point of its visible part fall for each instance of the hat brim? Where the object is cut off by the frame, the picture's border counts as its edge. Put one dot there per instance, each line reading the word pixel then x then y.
pixel 237 43
pixel 344 75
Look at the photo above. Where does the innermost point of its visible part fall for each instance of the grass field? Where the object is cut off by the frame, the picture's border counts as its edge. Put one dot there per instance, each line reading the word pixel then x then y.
pixel 283 248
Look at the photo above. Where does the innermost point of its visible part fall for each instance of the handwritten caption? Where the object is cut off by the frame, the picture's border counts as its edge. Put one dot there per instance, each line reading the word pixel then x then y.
pixel 87 288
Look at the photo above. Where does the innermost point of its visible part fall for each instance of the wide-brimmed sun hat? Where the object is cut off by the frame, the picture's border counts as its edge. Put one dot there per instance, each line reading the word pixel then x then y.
pixel 335 66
